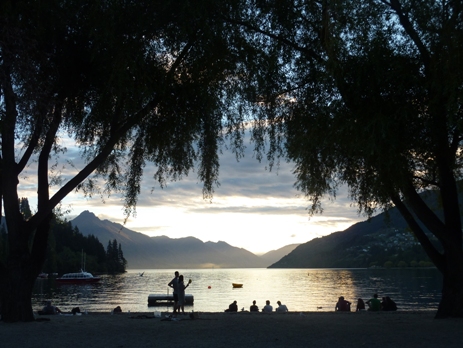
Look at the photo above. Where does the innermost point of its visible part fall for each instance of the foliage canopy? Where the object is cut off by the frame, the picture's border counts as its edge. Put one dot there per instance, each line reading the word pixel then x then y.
pixel 369 94
pixel 131 82
pixel 365 93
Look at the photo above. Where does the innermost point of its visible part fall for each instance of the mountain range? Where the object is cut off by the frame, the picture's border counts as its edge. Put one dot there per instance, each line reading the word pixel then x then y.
pixel 144 252
pixel 385 240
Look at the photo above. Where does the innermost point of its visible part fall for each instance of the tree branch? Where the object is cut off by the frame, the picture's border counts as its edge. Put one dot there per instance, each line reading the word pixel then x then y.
pixel 426 181
pixel 425 214
pixel 436 257
pixel 33 141
pixel 284 40
pixel 180 58
pixel 105 151
pixel 42 172
pixel 397 7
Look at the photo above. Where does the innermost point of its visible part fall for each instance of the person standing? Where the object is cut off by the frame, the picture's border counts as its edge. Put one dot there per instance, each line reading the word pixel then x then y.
pixel 174 285
pixel 181 294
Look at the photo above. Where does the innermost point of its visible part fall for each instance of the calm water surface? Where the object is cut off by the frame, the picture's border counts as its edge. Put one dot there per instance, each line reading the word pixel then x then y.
pixel 299 289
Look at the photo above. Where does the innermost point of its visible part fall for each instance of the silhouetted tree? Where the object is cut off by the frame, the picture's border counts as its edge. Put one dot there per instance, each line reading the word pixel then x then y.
pixel 115 261
pixel 131 82
pixel 369 94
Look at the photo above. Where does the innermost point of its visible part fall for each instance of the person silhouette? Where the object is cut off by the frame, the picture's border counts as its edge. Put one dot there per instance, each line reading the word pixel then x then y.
pixel 388 304
pixel 342 305
pixel 281 308
pixel 374 304
pixel 254 308
pixel 174 285
pixel 181 293
pixel 267 308
pixel 360 305
pixel 50 309
pixel 233 307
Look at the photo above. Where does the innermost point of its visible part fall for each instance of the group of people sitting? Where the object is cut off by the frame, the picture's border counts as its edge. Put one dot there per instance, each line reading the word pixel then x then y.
pixel 268 308
pixel 374 304
pixel 49 309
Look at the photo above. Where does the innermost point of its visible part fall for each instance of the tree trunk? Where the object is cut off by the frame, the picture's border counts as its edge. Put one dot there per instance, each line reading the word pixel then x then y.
pixel 451 304
pixel 20 273
pixel 17 290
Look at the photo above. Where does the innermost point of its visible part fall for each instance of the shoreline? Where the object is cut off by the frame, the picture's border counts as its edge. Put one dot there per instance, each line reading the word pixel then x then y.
pixel 219 329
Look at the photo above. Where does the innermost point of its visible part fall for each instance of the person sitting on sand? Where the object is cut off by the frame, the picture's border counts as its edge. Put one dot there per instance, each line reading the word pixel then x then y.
pixel 233 307
pixel 254 308
pixel 267 308
pixel 118 309
pixel 374 304
pixel 360 305
pixel 281 308
pixel 50 309
pixel 342 305
pixel 388 304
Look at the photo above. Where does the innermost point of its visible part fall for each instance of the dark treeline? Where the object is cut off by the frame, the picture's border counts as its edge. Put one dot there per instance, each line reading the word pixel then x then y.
pixel 115 261
pixel 69 250
pixel 65 247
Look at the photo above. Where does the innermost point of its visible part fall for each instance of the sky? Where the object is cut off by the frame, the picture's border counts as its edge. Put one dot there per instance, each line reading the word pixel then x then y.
pixel 253 208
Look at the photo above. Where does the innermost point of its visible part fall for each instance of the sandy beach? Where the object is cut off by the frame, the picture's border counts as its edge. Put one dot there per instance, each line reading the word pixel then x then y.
pixel 327 329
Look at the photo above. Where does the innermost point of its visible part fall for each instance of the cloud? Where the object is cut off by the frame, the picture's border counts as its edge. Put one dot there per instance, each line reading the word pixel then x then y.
pixel 253 207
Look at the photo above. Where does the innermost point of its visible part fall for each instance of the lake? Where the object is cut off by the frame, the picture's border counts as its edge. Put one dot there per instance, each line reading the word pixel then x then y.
pixel 300 289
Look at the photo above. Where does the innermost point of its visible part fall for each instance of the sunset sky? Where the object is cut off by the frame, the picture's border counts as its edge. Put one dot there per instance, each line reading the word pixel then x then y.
pixel 253 208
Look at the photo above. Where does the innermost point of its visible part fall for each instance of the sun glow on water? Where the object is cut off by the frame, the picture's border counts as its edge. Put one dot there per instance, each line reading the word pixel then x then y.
pixel 300 289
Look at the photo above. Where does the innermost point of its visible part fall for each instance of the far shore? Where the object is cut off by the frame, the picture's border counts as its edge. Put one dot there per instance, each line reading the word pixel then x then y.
pixel 299 329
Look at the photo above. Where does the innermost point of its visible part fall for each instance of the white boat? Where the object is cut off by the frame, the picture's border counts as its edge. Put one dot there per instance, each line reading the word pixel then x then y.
pixel 81 277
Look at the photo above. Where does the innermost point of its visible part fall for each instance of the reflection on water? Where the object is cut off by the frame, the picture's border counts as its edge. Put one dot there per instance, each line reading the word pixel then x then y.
pixel 299 289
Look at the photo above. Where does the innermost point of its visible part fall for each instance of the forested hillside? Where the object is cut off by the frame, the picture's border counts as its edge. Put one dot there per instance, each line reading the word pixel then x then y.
pixel 383 241
pixel 68 250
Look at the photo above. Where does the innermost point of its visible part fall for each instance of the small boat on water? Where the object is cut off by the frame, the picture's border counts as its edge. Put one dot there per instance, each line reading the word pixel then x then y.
pixel 237 285
pixel 42 275
pixel 81 277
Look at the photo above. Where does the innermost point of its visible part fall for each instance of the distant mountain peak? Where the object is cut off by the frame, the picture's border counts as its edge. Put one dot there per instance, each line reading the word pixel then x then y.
pixel 88 215
pixel 142 251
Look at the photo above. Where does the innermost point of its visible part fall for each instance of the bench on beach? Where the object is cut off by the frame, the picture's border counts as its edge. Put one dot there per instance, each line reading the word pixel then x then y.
pixel 159 299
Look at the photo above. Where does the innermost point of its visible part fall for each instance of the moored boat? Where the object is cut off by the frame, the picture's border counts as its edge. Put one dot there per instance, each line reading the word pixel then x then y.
pixel 81 277
pixel 161 299
pixel 237 285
